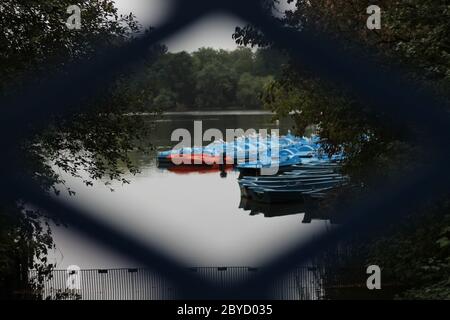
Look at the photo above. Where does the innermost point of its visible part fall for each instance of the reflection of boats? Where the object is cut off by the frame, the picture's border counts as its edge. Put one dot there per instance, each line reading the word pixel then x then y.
pixel 286 195
pixel 206 169
pixel 311 215
pixel 310 210
pixel 271 209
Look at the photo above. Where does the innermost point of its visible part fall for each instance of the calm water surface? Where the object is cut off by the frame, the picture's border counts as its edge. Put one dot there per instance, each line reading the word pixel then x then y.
pixel 193 217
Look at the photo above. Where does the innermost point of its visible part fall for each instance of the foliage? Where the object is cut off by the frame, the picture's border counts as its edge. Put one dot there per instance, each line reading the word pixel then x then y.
pixel 35 39
pixel 165 100
pixel 67 294
pixel 251 89
pixel 417 255
pixel 210 79
pixel 408 37
pixel 24 242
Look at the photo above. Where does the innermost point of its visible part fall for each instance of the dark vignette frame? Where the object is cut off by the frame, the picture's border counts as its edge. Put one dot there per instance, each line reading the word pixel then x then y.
pixel 389 93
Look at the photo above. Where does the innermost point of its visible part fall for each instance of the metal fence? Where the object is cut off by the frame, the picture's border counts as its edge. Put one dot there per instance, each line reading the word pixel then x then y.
pixel 303 283
pixel 387 91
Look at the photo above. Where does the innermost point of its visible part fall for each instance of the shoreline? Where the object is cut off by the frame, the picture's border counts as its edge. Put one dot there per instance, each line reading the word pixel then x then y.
pixel 205 113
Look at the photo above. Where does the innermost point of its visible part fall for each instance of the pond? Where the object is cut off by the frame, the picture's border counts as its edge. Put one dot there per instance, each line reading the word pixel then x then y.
pixel 194 217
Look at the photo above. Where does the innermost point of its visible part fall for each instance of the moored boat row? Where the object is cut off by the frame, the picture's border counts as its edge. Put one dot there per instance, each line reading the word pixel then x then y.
pixel 251 152
pixel 301 168
pixel 305 182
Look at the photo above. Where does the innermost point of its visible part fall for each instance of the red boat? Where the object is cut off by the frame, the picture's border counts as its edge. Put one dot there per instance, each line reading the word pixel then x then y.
pixel 195 159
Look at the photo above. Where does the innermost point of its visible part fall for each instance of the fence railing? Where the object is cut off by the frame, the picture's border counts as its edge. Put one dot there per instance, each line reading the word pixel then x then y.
pixel 302 283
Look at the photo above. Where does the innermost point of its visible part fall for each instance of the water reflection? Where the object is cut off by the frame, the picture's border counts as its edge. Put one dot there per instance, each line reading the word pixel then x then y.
pixel 306 210
pixel 270 210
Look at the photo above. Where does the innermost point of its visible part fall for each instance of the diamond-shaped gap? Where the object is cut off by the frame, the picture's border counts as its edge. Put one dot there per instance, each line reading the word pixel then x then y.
pixel 196 217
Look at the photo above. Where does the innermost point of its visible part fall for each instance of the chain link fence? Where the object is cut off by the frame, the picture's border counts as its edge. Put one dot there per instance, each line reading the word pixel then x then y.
pixel 387 91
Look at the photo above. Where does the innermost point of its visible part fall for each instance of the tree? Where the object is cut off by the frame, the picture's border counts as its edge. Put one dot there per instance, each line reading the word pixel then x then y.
pixel 327 105
pixel 33 37
pixel 207 78
pixel 204 56
pixel 174 72
pixel 242 60
pixel 250 90
pixel 165 100
pixel 215 86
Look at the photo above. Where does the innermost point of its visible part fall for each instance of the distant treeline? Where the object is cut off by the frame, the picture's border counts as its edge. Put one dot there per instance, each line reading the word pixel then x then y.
pixel 205 79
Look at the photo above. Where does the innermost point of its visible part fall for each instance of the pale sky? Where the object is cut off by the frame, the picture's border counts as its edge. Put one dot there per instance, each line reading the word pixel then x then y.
pixel 212 31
